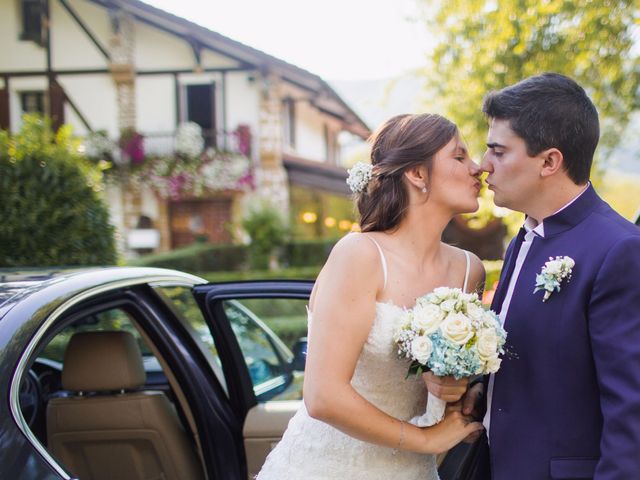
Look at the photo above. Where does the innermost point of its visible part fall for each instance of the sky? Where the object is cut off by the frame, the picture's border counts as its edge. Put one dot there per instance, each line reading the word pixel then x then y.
pixel 349 40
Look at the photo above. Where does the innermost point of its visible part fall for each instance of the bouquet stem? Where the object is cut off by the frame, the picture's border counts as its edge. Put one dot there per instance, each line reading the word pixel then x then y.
pixel 434 413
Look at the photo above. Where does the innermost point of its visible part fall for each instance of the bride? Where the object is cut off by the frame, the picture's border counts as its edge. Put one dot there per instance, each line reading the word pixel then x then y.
pixel 354 419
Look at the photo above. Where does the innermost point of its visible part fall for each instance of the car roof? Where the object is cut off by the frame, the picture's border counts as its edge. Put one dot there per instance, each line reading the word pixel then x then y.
pixel 19 283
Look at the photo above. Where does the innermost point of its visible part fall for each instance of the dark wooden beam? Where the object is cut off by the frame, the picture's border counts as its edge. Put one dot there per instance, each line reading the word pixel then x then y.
pixel 92 71
pixel 5 109
pixel 176 89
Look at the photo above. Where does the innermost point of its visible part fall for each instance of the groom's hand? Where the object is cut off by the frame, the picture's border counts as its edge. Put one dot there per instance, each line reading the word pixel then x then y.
pixel 445 388
pixel 470 403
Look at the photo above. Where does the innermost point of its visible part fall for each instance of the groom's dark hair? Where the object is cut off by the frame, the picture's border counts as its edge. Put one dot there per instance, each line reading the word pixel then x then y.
pixel 550 111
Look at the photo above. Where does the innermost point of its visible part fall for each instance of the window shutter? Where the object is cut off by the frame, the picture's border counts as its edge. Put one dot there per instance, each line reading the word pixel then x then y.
pixel 4 109
pixel 56 105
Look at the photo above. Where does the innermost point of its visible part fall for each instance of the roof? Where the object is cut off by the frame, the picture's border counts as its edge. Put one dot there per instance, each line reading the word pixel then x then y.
pixel 246 55
pixel 19 283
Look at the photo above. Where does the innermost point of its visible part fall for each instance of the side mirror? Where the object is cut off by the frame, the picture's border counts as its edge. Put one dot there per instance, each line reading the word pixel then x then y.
pixel 299 354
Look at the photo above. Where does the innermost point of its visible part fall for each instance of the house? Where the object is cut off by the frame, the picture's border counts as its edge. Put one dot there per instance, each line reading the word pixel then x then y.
pixel 143 77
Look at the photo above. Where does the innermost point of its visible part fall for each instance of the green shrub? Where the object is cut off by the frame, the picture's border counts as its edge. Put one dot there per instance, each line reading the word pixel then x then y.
pixel 303 253
pixel 199 257
pixel 268 231
pixel 50 206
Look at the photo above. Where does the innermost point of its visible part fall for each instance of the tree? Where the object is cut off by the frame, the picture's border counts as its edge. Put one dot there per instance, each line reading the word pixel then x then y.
pixel 484 45
pixel 51 209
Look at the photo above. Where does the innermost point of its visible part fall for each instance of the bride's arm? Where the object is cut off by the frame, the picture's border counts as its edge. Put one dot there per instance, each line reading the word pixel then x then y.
pixel 343 309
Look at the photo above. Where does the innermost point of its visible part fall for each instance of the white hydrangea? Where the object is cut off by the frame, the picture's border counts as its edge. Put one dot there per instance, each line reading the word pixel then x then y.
pixel 189 140
pixel 99 146
pixel 359 176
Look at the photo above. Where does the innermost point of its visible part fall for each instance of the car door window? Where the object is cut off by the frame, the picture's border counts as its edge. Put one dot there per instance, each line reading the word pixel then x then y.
pixel 114 319
pixel 268 330
pixel 271 334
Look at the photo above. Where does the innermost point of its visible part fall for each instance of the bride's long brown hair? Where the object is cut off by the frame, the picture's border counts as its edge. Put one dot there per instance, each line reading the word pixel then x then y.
pixel 401 143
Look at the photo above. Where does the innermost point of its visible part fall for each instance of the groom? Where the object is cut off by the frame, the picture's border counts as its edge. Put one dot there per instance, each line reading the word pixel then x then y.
pixel 567 405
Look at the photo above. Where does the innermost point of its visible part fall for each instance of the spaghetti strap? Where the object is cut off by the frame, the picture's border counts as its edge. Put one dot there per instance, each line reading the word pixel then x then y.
pixel 383 260
pixel 466 274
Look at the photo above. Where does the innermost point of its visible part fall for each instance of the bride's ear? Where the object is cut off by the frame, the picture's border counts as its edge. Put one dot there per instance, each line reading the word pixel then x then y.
pixel 553 162
pixel 417 176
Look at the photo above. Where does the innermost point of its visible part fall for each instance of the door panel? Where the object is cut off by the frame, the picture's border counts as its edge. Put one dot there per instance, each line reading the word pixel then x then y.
pixel 263 429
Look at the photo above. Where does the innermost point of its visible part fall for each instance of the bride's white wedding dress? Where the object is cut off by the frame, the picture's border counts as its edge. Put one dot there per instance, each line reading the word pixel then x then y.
pixel 314 450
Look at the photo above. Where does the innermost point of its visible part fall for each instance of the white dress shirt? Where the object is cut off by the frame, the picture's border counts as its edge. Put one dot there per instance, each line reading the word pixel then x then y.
pixel 533 229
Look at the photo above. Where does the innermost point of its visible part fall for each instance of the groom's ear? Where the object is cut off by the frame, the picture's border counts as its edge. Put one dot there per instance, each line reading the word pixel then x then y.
pixel 553 162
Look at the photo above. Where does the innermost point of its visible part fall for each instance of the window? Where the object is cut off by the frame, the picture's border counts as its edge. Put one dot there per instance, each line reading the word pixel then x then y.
pixel 32 102
pixel 181 300
pixel 289 122
pixel 199 107
pixel 109 320
pixel 267 331
pixel 331 146
pixel 32 11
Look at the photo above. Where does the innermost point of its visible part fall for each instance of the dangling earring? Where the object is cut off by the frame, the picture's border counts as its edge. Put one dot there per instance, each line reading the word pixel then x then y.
pixel 424 189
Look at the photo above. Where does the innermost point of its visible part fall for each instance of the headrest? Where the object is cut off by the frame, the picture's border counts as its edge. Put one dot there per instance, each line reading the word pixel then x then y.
pixel 102 361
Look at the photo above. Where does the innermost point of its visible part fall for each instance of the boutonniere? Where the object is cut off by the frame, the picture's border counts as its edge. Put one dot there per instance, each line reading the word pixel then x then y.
pixel 553 273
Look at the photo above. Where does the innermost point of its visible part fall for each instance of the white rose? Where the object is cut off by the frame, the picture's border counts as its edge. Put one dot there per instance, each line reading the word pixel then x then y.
pixel 448 305
pixel 475 312
pixel 442 292
pixel 553 267
pixel 421 348
pixel 489 320
pixel 427 318
pixel 457 328
pixel 487 344
pixel 569 262
pixel 493 365
pixel 468 297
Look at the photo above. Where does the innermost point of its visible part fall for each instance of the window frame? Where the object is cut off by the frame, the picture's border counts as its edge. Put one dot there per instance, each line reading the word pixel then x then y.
pixel 31 16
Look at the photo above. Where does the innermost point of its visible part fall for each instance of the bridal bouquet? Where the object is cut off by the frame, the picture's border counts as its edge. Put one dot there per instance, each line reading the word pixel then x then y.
pixel 449 333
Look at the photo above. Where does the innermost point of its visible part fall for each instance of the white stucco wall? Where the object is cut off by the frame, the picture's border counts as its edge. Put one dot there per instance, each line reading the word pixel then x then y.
pixel 15 54
pixel 155 103
pixel 71 48
pixel 211 59
pixel 243 100
pixel 95 97
pixel 156 50
pixel 309 140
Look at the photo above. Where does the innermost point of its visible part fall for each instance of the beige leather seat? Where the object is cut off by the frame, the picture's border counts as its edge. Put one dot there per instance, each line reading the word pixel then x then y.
pixel 115 435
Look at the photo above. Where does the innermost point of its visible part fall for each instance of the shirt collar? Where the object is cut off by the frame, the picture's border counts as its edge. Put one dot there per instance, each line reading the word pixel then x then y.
pixel 530 225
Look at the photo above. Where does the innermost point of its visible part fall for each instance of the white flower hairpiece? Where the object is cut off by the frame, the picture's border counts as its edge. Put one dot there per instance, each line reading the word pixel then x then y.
pixel 359 176
pixel 552 275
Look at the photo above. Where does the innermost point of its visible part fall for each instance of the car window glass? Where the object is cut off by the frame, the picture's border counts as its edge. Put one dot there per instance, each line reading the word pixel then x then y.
pixel 267 331
pixel 114 319
pixel 189 313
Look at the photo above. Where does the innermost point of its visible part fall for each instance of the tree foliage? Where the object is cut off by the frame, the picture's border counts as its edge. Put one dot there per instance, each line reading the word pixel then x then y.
pixel 51 209
pixel 484 45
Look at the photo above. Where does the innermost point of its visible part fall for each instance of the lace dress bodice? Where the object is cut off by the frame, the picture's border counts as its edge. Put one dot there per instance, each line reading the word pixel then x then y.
pixel 314 450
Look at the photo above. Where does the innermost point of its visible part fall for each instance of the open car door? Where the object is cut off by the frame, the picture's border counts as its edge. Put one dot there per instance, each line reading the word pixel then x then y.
pixel 259 329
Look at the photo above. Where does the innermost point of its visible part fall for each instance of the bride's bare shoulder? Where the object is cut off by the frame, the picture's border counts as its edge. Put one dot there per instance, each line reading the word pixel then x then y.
pixel 354 249
pixel 476 267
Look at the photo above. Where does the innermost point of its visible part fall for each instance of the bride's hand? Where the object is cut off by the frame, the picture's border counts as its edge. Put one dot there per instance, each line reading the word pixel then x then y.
pixel 446 388
pixel 454 428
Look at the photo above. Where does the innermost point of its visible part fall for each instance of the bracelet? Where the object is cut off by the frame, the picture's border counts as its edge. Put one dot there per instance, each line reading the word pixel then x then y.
pixel 401 440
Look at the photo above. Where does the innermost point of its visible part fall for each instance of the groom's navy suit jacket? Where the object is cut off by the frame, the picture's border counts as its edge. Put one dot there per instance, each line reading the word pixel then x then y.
pixel 568 406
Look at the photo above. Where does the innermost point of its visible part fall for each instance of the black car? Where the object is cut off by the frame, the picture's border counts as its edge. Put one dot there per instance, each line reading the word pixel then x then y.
pixel 123 373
